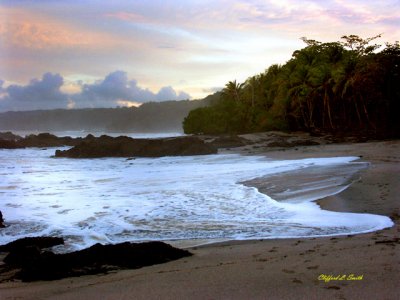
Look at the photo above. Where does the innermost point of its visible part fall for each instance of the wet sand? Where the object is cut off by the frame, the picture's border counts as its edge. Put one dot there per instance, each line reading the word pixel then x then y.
pixel 361 266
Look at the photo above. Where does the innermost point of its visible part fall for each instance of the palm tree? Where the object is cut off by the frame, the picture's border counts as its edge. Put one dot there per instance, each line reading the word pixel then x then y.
pixel 354 89
pixel 234 90
pixel 299 92
pixel 252 82
pixel 323 82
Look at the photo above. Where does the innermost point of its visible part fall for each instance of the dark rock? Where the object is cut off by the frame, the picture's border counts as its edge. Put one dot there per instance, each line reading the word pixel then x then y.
pixel 280 144
pixel 47 140
pixel 106 146
pixel 304 143
pixel 283 143
pixel 22 256
pixel 9 144
pixel 1 220
pixel 40 242
pixel 10 141
pixel 230 141
pixel 37 265
pixel 9 136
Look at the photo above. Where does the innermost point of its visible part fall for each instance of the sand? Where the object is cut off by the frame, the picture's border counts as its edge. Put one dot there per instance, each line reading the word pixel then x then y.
pixel 362 266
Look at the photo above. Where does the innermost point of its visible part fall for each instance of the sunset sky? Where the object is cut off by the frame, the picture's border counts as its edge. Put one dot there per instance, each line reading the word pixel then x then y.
pixel 65 54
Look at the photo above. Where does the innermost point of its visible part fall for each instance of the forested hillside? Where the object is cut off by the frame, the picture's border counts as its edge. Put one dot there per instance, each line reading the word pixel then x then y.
pixel 149 117
pixel 348 87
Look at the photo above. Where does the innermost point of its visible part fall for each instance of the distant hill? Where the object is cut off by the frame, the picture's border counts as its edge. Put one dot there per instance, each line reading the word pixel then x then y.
pixel 149 117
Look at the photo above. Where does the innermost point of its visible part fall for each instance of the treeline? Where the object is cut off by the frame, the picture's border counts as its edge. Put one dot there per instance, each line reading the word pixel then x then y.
pixel 346 87
pixel 149 117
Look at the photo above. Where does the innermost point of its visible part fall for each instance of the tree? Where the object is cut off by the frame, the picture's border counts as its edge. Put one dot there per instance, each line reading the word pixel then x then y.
pixel 324 82
pixel 252 83
pixel 359 45
pixel 233 89
pixel 299 91
pixel 336 87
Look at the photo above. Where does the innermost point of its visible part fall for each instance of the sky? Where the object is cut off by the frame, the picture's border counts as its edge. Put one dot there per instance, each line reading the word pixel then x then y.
pixel 91 53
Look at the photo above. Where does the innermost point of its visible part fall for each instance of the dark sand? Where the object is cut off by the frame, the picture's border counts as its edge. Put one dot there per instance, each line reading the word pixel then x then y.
pixel 271 269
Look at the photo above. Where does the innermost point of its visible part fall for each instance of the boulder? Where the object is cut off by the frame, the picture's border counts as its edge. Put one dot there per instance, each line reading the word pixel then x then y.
pixel 22 256
pixel 9 136
pixel 285 143
pixel 11 141
pixel 304 142
pixel 229 141
pixel 1 220
pixel 9 144
pixel 34 264
pixel 106 146
pixel 39 242
pixel 47 140
pixel 280 144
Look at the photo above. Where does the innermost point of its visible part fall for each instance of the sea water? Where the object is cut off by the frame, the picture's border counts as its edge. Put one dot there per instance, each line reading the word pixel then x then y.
pixel 83 133
pixel 111 200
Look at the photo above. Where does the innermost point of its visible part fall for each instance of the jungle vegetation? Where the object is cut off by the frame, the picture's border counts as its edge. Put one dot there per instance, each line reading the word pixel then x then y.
pixel 349 86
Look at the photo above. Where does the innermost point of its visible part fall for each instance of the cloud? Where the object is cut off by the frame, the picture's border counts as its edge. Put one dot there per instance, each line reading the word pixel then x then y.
pixel 22 28
pixel 213 90
pixel 114 87
pixel 2 91
pixel 114 90
pixel 169 93
pixel 206 42
pixel 38 94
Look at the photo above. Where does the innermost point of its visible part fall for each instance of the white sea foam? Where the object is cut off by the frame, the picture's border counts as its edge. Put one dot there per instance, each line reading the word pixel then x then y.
pixel 170 198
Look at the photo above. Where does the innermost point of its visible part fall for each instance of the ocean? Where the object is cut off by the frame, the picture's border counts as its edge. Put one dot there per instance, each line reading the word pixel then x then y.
pixel 198 198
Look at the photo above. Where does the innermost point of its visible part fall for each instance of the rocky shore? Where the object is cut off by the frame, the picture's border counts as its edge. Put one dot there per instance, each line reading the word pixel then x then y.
pixel 107 146
pixel 8 140
pixel 28 259
pixel 363 266
pixel 123 146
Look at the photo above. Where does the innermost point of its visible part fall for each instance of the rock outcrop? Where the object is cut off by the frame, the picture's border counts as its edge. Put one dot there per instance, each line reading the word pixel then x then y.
pixel 229 141
pixel 9 136
pixel 40 242
pixel 9 144
pixel 9 140
pixel 1 220
pixel 47 140
pixel 30 263
pixel 123 146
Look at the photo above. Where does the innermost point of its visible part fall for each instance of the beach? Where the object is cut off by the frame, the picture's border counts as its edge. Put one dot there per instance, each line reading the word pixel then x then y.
pixel 363 266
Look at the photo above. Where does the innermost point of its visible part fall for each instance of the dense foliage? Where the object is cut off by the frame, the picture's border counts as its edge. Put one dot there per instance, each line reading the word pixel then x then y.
pixel 347 87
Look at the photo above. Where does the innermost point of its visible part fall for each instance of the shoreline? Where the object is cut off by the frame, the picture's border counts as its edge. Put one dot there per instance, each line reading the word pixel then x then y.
pixel 272 268
pixel 332 202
